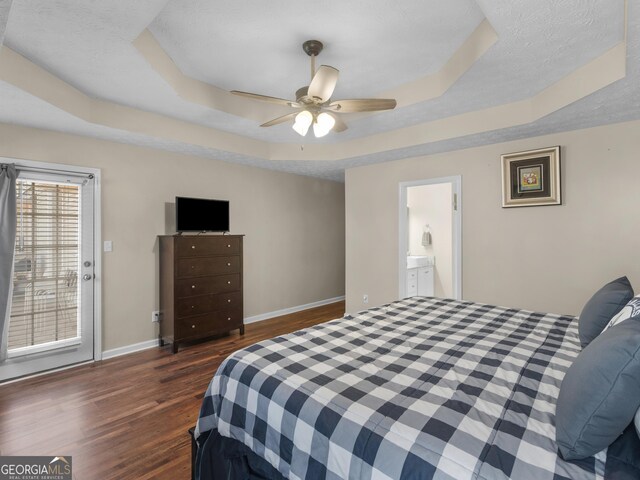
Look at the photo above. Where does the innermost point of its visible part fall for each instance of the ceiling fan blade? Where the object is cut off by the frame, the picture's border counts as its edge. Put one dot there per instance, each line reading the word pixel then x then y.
pixel 323 83
pixel 265 98
pixel 282 119
pixel 362 105
pixel 339 126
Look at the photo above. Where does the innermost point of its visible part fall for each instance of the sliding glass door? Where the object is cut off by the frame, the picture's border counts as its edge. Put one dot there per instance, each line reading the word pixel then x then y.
pixel 51 317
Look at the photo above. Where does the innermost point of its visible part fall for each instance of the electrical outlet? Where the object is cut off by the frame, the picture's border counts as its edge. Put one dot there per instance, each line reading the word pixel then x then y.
pixel 155 316
pixel 365 298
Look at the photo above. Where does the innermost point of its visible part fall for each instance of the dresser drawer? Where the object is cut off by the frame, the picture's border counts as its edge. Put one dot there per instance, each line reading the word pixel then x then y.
pixel 189 306
pixel 197 266
pixel 220 321
pixel 186 287
pixel 192 246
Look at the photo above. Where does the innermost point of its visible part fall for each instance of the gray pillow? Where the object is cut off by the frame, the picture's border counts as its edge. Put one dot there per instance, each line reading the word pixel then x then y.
pixel 601 308
pixel 600 392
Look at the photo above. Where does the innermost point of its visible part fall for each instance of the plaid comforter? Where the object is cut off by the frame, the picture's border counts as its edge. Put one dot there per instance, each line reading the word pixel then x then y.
pixel 421 388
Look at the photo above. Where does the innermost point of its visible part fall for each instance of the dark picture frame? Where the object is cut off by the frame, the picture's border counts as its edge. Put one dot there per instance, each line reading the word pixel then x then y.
pixel 531 178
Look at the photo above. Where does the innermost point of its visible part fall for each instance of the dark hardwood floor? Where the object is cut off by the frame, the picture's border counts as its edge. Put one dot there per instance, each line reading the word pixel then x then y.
pixel 127 417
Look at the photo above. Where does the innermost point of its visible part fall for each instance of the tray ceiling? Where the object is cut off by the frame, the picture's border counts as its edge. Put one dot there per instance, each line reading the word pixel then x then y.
pixel 157 72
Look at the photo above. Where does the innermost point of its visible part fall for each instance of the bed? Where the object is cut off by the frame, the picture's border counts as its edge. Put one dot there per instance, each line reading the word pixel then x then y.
pixel 420 388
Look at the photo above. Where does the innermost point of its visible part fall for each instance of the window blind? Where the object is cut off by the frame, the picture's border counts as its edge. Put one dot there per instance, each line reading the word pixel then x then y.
pixel 45 281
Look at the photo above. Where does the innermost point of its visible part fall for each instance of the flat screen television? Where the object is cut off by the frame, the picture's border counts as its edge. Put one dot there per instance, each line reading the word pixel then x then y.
pixel 201 215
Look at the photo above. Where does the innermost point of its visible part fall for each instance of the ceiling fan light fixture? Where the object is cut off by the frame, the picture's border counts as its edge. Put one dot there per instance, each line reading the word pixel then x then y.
pixel 323 124
pixel 303 122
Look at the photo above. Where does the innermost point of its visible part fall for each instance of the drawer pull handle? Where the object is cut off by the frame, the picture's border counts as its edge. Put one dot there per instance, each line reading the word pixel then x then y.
pixel 228 319
pixel 229 300
pixel 229 282
pixel 228 264
pixel 193 306
pixel 193 246
pixel 193 326
pixel 229 245
pixel 193 286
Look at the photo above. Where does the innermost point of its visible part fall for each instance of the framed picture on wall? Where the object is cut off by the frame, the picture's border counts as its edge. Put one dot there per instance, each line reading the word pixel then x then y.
pixel 531 178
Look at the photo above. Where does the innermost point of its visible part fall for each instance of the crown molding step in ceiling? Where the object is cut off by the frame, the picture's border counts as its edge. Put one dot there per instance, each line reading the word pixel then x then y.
pixel 161 73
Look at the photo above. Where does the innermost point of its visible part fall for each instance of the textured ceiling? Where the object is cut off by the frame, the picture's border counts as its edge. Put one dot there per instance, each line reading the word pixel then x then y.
pixel 259 47
pixel 5 6
pixel 376 44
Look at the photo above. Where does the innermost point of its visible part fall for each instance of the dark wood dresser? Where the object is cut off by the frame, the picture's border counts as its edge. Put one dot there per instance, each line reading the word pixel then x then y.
pixel 200 287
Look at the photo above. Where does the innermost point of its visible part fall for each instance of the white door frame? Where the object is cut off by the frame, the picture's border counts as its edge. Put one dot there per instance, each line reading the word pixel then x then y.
pixel 456 189
pixel 97 234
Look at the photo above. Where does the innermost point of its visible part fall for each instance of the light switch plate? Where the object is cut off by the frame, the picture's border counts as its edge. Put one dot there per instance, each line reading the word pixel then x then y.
pixel 108 246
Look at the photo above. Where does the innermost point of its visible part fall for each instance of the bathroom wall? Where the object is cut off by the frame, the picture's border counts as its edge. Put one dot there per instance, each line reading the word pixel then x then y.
pixel 431 205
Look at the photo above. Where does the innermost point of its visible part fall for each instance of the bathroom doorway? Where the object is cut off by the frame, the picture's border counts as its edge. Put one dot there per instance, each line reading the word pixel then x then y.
pixel 430 238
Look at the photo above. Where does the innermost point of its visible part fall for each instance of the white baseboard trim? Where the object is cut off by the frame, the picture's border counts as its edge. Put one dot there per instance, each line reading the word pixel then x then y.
pixel 286 311
pixel 136 347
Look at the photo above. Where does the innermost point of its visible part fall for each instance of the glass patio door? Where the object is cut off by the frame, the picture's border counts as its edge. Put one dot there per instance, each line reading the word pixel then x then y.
pixel 51 317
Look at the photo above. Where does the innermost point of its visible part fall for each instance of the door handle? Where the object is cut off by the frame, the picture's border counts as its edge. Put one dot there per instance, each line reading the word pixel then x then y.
pixel 87 276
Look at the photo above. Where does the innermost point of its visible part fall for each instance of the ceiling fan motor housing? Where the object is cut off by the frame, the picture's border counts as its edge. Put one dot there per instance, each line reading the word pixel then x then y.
pixel 303 98
pixel 301 93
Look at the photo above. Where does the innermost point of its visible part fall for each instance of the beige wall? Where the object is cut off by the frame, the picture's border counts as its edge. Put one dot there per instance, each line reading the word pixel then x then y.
pixel 431 205
pixel 548 258
pixel 294 225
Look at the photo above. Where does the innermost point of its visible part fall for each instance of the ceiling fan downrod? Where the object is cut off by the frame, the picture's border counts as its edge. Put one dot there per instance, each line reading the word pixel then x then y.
pixel 313 49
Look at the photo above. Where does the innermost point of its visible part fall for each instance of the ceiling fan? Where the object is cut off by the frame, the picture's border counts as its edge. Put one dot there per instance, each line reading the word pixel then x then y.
pixel 313 103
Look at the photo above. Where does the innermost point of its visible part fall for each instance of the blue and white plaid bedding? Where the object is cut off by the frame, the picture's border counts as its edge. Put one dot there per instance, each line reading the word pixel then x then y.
pixel 421 388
